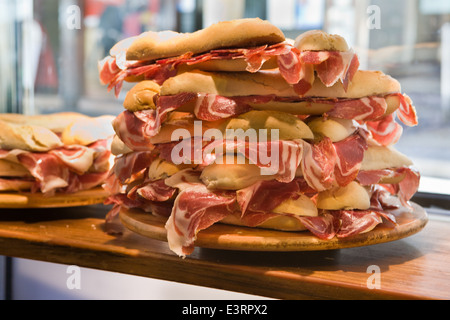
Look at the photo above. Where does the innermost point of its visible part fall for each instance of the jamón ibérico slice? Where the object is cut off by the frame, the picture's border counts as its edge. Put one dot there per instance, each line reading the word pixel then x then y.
pixel 331 66
pixel 319 161
pixel 406 112
pixel 132 128
pixel 323 226
pixel 408 186
pixel 330 70
pixel 364 109
pixel 354 222
pixel 47 170
pixel 351 71
pixel 157 191
pixel 290 66
pixel 130 167
pixel 211 107
pixel 386 131
pixel 350 154
pixel 306 81
pixel 108 70
pixel 84 181
pixel 196 208
pixel 264 196
pixel 370 177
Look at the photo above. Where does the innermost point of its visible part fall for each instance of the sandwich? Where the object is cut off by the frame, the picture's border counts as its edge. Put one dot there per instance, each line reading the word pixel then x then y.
pixel 55 153
pixel 246 148
pixel 319 53
pixel 245 45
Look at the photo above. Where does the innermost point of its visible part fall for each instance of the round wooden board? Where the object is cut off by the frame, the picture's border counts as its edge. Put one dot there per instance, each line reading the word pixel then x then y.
pixel 226 237
pixel 24 200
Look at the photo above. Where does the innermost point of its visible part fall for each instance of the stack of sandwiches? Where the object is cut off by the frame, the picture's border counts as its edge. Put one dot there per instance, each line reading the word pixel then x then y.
pixel 57 153
pixel 236 124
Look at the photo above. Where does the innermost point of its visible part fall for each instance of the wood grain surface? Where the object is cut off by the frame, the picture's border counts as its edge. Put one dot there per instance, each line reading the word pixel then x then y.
pixel 416 267
pixel 25 200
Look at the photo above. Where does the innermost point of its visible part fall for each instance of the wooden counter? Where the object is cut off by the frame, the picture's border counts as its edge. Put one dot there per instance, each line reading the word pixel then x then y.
pixel 417 267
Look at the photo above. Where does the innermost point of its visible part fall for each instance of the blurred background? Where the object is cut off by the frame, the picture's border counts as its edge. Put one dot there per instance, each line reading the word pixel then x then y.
pixel 50 50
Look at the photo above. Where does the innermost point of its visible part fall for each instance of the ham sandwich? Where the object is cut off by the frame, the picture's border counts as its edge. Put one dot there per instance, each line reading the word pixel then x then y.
pixel 64 152
pixel 333 169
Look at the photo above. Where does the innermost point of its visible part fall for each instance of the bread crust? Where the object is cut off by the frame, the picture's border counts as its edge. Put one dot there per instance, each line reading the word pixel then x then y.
pixel 364 84
pixel 379 158
pixel 352 196
pixel 318 40
pixel 227 34
pixel 227 65
pixel 86 131
pixel 141 96
pixel 279 223
pixel 55 122
pixel 42 133
pixel 27 137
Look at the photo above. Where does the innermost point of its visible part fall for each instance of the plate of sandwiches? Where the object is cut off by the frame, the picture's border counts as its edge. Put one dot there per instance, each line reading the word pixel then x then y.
pixel 54 160
pixel 234 137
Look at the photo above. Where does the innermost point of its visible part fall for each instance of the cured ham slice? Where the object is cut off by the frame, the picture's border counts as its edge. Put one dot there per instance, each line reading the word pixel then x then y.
pixel 324 226
pixel 350 154
pixel 319 161
pixel 136 128
pixel 407 113
pixel 130 167
pixel 156 191
pixel 298 68
pixel 364 109
pixel 386 132
pixel 196 208
pixel 47 170
pixel 356 222
pixel 264 196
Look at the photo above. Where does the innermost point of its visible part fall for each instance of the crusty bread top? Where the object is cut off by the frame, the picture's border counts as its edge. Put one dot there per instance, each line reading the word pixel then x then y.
pixel 55 122
pixel 141 96
pixel 318 40
pixel 27 137
pixel 227 34
pixel 365 83
pixel 42 133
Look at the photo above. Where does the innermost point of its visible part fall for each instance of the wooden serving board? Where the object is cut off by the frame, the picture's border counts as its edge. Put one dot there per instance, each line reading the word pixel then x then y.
pixel 227 237
pixel 25 200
